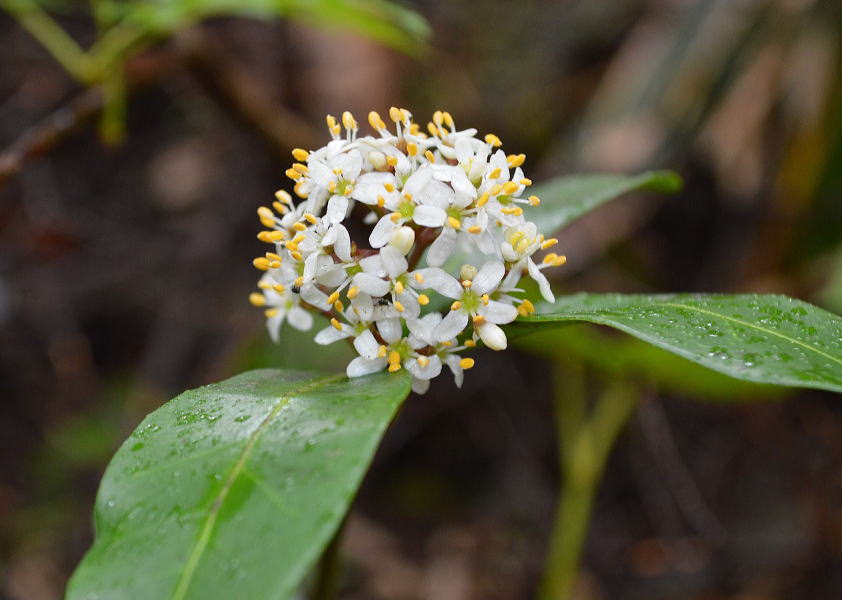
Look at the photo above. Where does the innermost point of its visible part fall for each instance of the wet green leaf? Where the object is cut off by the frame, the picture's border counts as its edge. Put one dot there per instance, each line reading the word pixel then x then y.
pixel 565 199
pixel 760 338
pixel 235 486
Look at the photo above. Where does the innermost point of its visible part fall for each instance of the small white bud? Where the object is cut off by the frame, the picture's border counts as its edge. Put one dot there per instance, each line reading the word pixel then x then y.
pixel 377 159
pixel 402 238
pixel 468 272
pixel 492 336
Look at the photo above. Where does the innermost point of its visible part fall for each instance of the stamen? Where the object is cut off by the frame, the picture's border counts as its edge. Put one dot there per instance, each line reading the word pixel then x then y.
pixel 454 222
pixel 549 243
pixel 419 277
pixel 300 154
pixel 423 361
pixel 423 299
pixel 493 140
pixel 336 324
pixel 311 218
pixel 534 200
pixel 456 305
pixel 478 320
pixel 430 156
pixel 261 263
pixel 257 299
pixel 399 307
pixel 353 292
pixel 467 363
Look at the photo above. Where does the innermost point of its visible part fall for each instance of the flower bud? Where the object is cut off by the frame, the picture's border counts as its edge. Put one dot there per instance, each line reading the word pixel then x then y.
pixel 377 159
pixel 492 336
pixel 402 238
pixel 468 272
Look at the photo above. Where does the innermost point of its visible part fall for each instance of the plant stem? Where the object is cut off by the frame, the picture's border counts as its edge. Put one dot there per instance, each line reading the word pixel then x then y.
pixel 50 34
pixel 328 574
pixel 585 445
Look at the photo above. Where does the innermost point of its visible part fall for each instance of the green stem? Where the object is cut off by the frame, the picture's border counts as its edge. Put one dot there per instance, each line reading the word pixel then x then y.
pixel 328 573
pixel 51 35
pixel 585 446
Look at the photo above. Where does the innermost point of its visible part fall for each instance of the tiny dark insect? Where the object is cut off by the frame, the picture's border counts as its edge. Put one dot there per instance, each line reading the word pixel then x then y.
pixel 296 289
pixel 383 302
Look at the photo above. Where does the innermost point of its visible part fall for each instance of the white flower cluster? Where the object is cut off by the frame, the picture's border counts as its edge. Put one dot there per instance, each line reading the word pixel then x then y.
pixel 426 195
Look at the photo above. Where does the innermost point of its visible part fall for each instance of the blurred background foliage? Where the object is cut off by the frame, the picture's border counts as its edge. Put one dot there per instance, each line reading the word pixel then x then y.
pixel 130 171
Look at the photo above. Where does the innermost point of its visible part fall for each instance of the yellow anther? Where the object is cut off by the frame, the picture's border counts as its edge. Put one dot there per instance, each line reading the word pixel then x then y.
pixel 300 168
pixel 257 299
pixel 474 229
pixel 336 324
pixel 423 299
pixel 423 361
pixel 349 189
pixel 275 264
pixel 448 120
pixel 333 298
pixel 395 217
pixel 293 174
pixel 298 188
pixel 521 247
pixel 534 200
pixel 406 115
pixel 447 343
pixel 429 156
pixel 467 363
pixel 412 148
pixel 299 226
pixel 336 171
pixel 479 319
pixel 267 221
pixel 261 263
pixel 408 196
pixel 263 236
pixel 283 196
pixel 375 121
pixel 485 299
pixel 331 186
pixel 438 118
pixel 483 199
pixel 271 312
pixel 454 222
pixel 466 283
pixel 456 305
pixel 399 287
pixel 395 114
pixel 493 140
pixel 470 343
pixel 296 255
pixel 434 131
pixel 353 292
pixel 528 307
pixel 264 212
pixel 389 187
pixel 525 182
pixel 415 129
pixel 550 258
pixel 299 237
pixel 399 307
pixel 279 288
pixel 272 256
pixel 394 361
pixel 418 277
pixel 299 281
pixel 348 120
pixel 381 201
pixel 381 351
pixel 560 260
pixel 510 187
pixel 339 306
pixel 516 160
pixel 264 285
pixel 392 161
pixel 495 189
pixel 549 243
pixel 311 218
pixel 300 154
pixel 331 122
pixel 495 173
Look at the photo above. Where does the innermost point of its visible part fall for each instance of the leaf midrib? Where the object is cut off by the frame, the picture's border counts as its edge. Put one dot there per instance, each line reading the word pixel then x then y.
pixel 210 521
pixel 602 313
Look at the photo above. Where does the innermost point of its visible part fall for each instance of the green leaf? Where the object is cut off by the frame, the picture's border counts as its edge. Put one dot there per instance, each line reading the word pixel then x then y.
pixel 760 338
pixel 233 489
pixel 565 199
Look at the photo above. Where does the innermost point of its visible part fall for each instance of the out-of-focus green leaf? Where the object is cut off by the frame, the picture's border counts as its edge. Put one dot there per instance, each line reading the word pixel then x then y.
pixel 565 199
pixel 233 489
pixel 760 338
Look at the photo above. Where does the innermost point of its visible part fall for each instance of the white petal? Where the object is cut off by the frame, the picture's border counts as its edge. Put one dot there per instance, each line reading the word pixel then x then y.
pixel 492 336
pixel 417 181
pixel 452 361
pixel 488 278
pixel 433 368
pixel 464 152
pixel 366 345
pixel 380 234
pixel 299 318
pixel 436 194
pixel 439 280
pixel 429 216
pixel 452 325
pixel 342 245
pixel 498 312
pixel 331 276
pixel 420 386
pixel 390 330
pixel 543 285
pixel 314 296
pixel 441 248
pixel 365 366
pixel 373 264
pixel 337 208
pixel 374 286
pixel 331 334
pixel 273 324
pixel 422 330
pixel 393 261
